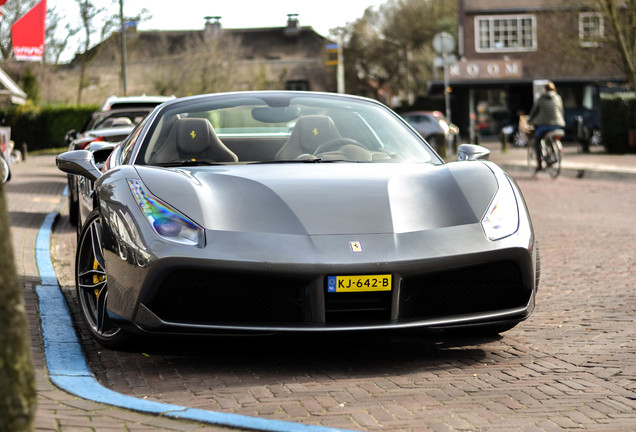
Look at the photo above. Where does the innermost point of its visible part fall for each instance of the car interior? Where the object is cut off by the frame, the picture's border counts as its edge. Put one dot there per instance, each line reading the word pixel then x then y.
pixel 253 134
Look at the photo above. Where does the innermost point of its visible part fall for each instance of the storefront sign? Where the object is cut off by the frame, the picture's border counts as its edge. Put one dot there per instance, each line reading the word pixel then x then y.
pixel 486 69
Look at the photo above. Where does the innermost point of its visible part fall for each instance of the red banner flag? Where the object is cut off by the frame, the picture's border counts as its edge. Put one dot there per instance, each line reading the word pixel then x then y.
pixel 28 34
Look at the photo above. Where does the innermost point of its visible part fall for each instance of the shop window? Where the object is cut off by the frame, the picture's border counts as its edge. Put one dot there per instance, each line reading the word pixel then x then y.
pixel 505 33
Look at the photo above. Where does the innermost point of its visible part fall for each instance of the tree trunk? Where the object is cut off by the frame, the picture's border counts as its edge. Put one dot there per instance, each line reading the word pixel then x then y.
pixel 81 82
pixel 17 381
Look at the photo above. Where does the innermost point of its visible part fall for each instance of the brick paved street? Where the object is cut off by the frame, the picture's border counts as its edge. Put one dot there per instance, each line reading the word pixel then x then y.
pixel 571 366
pixel 35 191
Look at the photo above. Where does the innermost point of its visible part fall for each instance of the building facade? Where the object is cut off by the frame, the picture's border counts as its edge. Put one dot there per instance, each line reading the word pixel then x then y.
pixel 213 59
pixel 507 49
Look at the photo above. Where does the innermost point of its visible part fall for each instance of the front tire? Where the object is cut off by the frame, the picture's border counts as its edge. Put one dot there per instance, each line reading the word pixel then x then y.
pixel 5 171
pixel 91 282
pixel 553 158
pixel 73 203
pixel 532 158
pixel 520 139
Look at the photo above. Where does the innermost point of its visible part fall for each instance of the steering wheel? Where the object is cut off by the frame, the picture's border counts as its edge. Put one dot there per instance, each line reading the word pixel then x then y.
pixel 337 143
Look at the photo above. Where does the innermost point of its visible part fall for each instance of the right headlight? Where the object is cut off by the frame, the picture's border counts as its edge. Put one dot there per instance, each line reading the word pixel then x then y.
pixel 502 218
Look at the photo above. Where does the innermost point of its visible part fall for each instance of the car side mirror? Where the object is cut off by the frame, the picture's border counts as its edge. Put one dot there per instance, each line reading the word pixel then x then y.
pixel 78 162
pixel 472 152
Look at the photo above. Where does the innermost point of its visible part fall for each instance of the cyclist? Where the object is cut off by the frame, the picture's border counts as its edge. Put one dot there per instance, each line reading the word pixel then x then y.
pixel 546 115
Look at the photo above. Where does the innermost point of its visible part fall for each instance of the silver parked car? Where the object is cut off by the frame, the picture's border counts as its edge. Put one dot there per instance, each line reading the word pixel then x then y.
pixel 255 212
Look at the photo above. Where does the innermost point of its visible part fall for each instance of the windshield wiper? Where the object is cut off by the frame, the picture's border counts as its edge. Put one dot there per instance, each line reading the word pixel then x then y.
pixel 316 160
pixel 287 161
pixel 181 163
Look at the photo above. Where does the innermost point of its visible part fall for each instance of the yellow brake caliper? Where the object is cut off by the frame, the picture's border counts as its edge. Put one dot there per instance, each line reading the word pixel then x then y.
pixel 97 278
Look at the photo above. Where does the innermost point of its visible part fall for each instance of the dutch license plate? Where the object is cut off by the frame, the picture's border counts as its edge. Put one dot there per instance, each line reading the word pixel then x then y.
pixel 360 283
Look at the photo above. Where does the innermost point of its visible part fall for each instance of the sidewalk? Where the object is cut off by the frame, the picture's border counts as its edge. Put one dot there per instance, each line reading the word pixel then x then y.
pixel 593 165
pixel 33 193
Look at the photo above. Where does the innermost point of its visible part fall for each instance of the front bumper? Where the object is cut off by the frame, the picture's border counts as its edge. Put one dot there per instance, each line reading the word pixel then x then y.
pixel 245 282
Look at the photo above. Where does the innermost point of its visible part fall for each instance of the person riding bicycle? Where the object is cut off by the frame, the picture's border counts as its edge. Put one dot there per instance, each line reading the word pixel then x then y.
pixel 546 115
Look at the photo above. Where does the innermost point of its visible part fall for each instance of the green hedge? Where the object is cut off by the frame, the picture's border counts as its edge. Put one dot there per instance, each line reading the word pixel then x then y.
pixel 44 127
pixel 618 117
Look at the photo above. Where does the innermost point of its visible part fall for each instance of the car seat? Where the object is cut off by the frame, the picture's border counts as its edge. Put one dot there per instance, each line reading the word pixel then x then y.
pixel 193 139
pixel 309 133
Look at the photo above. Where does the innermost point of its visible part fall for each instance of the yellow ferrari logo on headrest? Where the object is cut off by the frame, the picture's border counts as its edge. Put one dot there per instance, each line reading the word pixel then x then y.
pixel 193 135
pixel 315 131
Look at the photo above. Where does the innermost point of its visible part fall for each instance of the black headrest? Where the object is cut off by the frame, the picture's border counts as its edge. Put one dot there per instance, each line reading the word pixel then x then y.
pixel 194 136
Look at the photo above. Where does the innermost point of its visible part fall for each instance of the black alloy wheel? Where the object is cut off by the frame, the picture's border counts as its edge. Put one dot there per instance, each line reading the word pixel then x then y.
pixel 92 285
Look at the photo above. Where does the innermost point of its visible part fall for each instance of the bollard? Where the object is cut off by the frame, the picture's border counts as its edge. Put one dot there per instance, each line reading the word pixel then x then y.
pixel 503 139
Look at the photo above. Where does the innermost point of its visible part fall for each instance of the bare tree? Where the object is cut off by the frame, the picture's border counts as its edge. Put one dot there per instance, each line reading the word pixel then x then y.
pixel 414 23
pixel 11 12
pixel 216 67
pixel 393 45
pixel 88 12
pixel 211 66
pixel 371 61
pixel 56 38
pixel 621 16
pixel 17 381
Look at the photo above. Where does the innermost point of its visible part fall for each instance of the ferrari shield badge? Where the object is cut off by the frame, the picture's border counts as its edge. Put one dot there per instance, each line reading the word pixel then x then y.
pixel 356 246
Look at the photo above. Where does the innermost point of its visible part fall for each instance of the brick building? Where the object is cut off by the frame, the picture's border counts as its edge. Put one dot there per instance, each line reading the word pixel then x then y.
pixel 209 60
pixel 505 50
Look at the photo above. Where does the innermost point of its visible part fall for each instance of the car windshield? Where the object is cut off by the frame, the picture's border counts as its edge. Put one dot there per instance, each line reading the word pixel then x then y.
pixel 280 127
pixel 115 119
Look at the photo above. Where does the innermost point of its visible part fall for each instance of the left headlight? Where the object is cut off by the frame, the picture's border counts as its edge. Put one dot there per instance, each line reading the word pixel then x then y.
pixel 502 218
pixel 166 222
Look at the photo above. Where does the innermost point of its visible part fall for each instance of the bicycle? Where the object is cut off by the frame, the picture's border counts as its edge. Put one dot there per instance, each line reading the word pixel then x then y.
pixel 551 153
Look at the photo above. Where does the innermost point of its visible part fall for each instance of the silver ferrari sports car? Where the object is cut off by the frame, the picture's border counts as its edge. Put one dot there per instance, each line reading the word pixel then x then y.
pixel 261 212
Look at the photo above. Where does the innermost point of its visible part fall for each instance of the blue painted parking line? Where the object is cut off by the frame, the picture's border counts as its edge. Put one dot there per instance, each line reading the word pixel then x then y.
pixel 68 368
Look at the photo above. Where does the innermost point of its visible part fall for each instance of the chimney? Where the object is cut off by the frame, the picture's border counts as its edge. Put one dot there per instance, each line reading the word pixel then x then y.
pixel 212 28
pixel 293 28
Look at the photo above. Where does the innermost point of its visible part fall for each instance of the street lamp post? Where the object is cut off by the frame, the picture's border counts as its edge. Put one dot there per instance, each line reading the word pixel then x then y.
pixel 340 70
pixel 444 44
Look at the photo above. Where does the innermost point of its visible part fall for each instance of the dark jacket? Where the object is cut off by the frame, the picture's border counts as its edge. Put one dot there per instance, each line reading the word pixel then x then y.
pixel 547 110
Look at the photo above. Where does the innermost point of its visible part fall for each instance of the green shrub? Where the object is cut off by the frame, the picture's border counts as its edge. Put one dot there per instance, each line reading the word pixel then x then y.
pixel 618 117
pixel 44 127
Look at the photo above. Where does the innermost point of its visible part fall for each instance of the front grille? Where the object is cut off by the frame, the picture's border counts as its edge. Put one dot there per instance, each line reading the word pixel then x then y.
pixel 201 297
pixel 225 298
pixel 357 307
pixel 483 288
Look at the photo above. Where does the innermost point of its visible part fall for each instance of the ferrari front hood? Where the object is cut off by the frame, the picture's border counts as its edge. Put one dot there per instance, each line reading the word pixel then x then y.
pixel 326 199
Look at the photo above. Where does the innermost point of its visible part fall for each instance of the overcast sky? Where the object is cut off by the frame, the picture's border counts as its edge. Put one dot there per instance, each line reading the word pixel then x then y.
pixel 322 15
